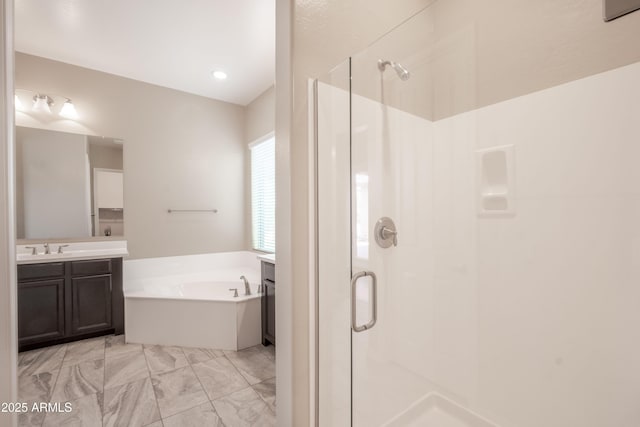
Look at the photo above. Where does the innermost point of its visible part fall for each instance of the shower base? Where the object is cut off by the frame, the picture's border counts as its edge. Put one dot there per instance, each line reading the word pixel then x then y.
pixel 435 410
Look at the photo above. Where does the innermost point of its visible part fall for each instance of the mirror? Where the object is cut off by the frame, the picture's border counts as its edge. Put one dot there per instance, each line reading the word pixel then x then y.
pixel 68 185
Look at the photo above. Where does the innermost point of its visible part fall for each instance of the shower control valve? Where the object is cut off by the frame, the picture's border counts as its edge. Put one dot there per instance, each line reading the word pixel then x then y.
pixel 385 233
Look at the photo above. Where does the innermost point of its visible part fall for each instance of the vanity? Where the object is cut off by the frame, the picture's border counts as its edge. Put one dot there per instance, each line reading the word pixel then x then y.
pixel 70 230
pixel 69 296
pixel 268 299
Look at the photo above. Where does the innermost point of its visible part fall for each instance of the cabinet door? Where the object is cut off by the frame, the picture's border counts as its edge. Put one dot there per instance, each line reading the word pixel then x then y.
pixel 91 303
pixel 270 318
pixel 108 188
pixel 40 311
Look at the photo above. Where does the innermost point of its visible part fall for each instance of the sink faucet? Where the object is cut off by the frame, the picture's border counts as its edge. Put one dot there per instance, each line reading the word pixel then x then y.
pixel 247 288
pixel 47 249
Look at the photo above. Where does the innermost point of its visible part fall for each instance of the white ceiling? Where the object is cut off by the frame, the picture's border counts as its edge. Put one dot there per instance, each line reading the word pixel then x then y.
pixel 171 43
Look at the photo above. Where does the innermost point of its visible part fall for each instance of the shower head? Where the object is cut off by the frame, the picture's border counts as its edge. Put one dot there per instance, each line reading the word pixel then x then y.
pixel 402 72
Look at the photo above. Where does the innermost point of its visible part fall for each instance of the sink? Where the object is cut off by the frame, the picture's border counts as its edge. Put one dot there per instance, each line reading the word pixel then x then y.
pixel 75 251
pixel 41 257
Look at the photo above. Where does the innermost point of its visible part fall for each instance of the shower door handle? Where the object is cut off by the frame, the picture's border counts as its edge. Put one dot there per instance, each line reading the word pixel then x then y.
pixel 374 301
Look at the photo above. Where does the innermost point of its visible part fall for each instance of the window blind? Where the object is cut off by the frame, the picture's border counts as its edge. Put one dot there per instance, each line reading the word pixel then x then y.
pixel 263 195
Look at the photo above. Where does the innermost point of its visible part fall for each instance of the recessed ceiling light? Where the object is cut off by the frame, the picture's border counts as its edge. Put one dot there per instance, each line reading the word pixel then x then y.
pixel 219 75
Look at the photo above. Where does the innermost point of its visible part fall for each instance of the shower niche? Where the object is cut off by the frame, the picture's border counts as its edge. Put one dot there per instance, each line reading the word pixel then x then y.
pixel 496 189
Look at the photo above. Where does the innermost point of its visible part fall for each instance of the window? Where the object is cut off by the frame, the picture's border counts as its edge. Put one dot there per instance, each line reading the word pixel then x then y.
pixel 263 195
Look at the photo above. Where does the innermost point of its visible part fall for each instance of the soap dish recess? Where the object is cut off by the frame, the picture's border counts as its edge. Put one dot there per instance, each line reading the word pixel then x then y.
pixel 495 181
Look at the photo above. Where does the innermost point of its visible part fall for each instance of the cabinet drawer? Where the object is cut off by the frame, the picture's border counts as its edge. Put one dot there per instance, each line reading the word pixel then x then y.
pixel 91 267
pixel 268 271
pixel 40 271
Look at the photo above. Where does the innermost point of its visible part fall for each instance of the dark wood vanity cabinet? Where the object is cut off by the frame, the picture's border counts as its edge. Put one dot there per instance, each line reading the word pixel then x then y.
pixel 91 304
pixel 66 301
pixel 268 303
pixel 40 310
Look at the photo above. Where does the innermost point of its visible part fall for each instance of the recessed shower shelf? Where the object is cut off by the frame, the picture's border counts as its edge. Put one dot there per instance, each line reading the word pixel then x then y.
pixel 495 195
pixel 495 177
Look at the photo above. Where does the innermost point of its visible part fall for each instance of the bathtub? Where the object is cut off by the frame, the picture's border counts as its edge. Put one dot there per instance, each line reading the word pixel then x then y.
pixel 186 301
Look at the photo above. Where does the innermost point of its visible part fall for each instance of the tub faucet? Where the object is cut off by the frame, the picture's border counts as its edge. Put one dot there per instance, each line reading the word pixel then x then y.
pixel 247 288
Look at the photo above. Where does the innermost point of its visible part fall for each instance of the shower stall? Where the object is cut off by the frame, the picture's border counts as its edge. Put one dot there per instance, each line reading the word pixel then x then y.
pixel 478 234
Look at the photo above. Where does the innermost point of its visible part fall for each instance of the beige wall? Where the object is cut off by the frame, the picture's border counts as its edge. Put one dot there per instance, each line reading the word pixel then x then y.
pixel 523 46
pixel 8 338
pixel 181 151
pixel 260 117
pixel 101 156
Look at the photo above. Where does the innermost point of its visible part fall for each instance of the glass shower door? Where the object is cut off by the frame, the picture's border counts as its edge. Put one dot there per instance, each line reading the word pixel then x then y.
pixel 413 341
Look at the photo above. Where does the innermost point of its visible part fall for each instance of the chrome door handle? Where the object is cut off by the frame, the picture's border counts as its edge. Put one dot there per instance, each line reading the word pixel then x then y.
pixel 374 301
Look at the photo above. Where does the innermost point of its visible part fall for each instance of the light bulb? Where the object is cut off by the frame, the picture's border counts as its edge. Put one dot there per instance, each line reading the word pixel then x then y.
pixel 42 104
pixel 68 110
pixel 17 103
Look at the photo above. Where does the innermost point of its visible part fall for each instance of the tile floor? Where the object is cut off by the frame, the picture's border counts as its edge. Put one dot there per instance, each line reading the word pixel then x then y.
pixel 110 383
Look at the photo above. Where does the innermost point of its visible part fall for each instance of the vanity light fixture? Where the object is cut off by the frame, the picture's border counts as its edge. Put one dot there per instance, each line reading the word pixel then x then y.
pixel 42 104
pixel 68 110
pixel 219 74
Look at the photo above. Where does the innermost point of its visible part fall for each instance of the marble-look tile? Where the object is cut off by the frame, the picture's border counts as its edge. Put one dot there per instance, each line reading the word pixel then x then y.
pixel 32 389
pixel 115 345
pixel 177 391
pixel 115 387
pixel 270 352
pixel 85 413
pixel 79 380
pixel 267 391
pixel 198 355
pixel 125 368
pixel 253 363
pixel 82 351
pixel 37 387
pixel 244 408
pixel 133 404
pixel 31 419
pixel 219 377
pixel 163 358
pixel 46 359
pixel 203 415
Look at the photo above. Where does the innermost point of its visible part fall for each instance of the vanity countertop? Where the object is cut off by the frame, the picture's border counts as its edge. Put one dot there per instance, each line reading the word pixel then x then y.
pixel 73 252
pixel 268 258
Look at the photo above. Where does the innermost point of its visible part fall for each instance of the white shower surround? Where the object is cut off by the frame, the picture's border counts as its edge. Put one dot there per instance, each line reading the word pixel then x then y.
pixel 485 310
pixel 186 301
